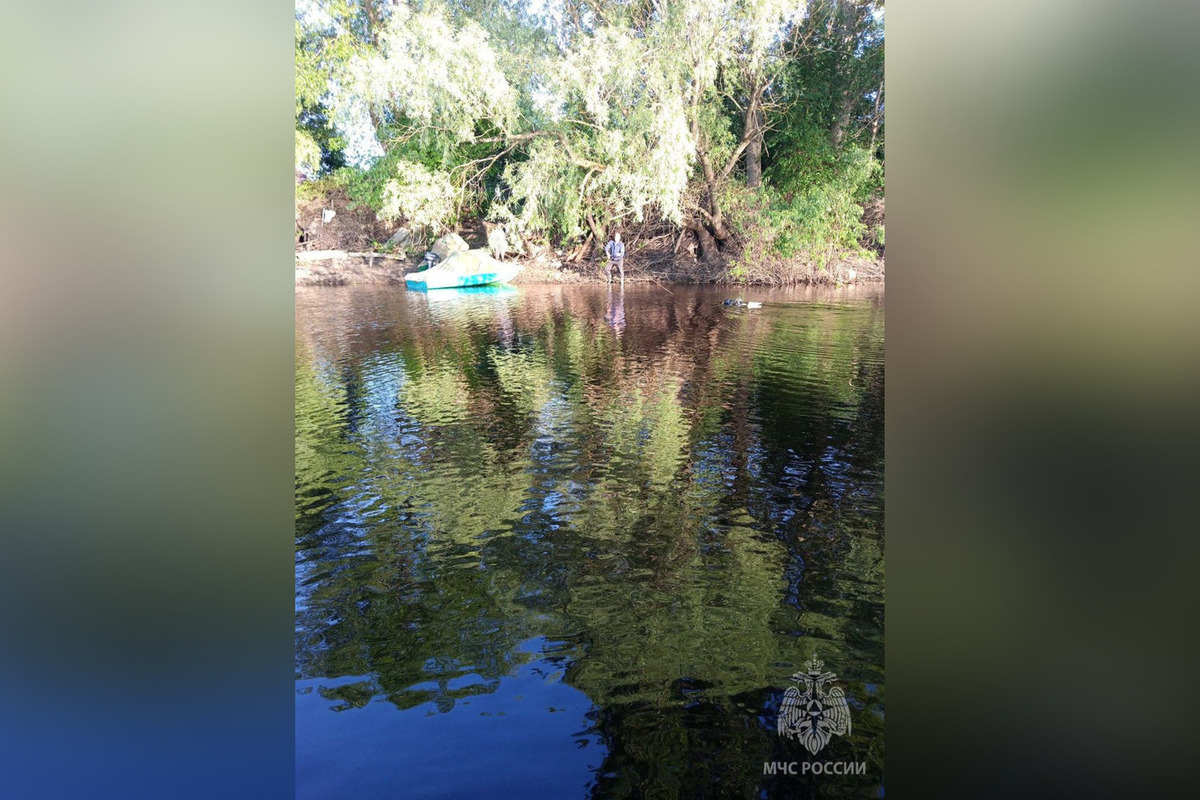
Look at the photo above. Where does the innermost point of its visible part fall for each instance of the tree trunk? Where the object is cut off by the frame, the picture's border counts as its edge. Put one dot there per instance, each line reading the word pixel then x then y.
pixel 844 27
pixel 754 121
pixel 372 22
pixel 719 231
pixel 710 179
pixel 875 117
pixel 843 118
pixel 597 231
pixel 708 245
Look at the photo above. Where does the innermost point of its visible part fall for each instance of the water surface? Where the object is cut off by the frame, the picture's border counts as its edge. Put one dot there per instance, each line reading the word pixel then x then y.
pixel 570 542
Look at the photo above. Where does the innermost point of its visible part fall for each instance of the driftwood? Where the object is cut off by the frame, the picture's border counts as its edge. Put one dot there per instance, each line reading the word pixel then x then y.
pixel 581 251
pixel 323 255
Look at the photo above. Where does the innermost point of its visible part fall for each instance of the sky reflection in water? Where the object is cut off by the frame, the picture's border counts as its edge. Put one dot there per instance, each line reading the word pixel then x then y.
pixel 573 541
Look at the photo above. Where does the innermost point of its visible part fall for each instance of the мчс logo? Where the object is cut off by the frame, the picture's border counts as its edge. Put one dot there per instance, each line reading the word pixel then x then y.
pixel 816 714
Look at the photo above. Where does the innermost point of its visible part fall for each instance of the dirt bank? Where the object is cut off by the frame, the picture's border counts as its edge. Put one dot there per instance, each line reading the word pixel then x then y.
pixel 353 270
pixel 357 269
pixel 346 247
pixel 349 228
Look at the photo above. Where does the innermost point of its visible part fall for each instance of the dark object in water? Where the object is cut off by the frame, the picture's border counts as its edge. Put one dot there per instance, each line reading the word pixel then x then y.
pixel 732 302
pixel 742 303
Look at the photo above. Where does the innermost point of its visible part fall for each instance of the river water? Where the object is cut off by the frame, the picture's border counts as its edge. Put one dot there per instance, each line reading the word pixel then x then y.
pixel 568 541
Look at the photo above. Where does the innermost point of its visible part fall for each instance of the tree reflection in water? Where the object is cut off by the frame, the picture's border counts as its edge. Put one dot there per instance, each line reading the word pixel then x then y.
pixel 681 506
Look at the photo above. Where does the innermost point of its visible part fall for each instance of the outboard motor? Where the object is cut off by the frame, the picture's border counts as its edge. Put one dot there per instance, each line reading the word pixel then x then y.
pixel 431 260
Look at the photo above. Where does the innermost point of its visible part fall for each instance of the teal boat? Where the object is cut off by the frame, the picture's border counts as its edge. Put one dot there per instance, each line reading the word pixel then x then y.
pixel 469 294
pixel 463 270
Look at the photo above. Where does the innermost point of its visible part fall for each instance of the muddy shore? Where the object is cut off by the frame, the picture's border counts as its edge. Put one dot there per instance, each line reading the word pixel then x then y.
pixel 345 250
pixel 381 269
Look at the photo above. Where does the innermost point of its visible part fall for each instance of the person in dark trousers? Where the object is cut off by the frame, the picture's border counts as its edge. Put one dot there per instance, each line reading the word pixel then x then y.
pixel 616 256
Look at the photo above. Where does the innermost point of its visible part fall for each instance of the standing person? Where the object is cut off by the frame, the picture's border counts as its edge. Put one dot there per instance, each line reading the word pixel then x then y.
pixel 616 256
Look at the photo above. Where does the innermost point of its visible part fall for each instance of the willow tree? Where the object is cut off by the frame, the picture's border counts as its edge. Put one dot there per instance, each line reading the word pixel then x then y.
pixel 429 86
pixel 613 143
pixel 329 34
pixel 636 105
pixel 726 51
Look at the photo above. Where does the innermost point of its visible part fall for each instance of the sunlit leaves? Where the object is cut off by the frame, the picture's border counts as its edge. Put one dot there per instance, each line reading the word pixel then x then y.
pixel 424 198
pixel 436 74
pixel 308 152
pixel 622 143
pixel 569 120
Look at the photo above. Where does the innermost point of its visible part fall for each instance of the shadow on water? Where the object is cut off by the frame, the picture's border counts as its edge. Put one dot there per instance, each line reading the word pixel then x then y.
pixel 574 541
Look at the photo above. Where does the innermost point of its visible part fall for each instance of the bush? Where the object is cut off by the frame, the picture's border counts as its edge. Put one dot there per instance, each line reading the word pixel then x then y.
pixel 818 220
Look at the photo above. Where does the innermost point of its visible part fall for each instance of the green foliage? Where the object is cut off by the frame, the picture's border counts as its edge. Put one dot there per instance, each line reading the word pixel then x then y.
pixel 308 152
pixel 311 77
pixel 323 186
pixel 366 188
pixel 314 124
pixel 426 199
pixel 439 77
pixel 545 191
pixel 616 144
pixel 716 130
pixel 322 52
pixel 571 123
pixel 826 214
pixel 821 166
pixel 820 219
pixel 832 78
pixel 806 159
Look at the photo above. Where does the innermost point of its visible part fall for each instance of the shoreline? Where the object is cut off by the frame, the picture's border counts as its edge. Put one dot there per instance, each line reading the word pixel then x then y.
pixel 339 268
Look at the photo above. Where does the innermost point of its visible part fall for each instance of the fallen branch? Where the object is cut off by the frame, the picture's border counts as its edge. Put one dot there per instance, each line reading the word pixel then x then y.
pixel 679 241
pixel 322 255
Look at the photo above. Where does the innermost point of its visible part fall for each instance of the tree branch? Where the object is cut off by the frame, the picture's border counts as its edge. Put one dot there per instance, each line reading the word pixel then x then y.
pixel 516 139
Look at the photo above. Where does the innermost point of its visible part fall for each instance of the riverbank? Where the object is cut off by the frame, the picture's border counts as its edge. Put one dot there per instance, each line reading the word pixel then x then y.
pixel 346 249
pixel 344 268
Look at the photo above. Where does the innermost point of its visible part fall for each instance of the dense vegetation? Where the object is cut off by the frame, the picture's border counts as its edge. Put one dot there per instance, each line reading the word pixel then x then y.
pixel 752 130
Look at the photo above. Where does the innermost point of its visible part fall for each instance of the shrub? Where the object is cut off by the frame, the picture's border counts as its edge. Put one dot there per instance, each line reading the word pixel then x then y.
pixel 817 220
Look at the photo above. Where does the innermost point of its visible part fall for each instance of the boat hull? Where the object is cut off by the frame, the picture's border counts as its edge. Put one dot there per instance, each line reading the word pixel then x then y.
pixel 439 279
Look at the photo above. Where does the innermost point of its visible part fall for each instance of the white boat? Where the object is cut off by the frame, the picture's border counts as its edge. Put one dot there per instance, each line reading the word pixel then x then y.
pixel 462 270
